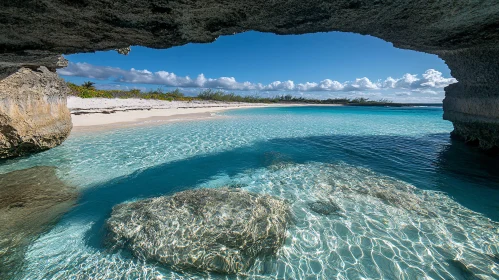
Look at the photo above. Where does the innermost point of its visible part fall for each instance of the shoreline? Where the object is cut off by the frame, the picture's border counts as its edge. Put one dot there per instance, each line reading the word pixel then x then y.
pixel 95 122
pixel 99 114
pixel 104 114
pixel 141 122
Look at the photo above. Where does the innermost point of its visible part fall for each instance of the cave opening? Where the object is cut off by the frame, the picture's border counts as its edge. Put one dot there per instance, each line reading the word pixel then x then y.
pixel 316 66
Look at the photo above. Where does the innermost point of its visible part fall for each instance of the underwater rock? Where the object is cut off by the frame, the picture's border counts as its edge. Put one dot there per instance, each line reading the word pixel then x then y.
pixel 276 160
pixel 463 269
pixel 236 185
pixel 324 207
pixel 220 230
pixel 30 201
pixel 389 191
pixel 33 112
pixel 385 227
pixel 494 257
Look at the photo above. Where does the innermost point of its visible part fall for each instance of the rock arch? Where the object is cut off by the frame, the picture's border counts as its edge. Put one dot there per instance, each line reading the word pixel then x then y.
pixel 465 34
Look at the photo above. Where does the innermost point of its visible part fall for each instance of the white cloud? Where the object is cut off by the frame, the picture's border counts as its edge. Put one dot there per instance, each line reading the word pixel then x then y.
pixel 361 84
pixel 431 81
pixel 433 78
pixel 278 85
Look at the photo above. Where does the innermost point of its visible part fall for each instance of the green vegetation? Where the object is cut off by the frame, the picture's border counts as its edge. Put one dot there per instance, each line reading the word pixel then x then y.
pixel 231 97
pixel 87 90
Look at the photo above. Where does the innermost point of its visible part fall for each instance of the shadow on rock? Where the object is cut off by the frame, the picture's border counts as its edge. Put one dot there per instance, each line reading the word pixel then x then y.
pixel 30 201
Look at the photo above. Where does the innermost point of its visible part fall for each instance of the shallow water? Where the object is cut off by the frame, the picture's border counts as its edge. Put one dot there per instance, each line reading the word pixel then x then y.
pixel 442 223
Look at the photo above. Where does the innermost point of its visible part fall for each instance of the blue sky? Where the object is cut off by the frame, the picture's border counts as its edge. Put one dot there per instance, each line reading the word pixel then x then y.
pixel 320 65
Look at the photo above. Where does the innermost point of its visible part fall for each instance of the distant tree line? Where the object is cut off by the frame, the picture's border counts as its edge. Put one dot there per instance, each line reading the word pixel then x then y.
pixel 88 90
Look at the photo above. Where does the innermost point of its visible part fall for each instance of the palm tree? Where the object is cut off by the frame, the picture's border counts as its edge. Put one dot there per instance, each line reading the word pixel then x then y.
pixel 88 85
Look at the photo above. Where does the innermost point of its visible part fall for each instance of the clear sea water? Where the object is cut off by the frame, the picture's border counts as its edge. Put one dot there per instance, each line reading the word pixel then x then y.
pixel 302 154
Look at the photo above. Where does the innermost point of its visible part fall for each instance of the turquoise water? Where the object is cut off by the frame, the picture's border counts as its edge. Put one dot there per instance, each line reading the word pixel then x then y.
pixel 443 226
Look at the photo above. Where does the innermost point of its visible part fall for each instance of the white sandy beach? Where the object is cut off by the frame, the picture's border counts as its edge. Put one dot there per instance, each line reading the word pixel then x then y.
pixel 97 114
pixel 90 114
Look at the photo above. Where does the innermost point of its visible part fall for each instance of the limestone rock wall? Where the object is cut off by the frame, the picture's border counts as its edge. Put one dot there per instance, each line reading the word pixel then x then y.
pixel 472 104
pixel 89 25
pixel 33 112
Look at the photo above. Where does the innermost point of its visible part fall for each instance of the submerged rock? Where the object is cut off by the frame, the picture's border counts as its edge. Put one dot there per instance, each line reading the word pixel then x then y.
pixel 387 190
pixel 220 230
pixel 324 207
pixel 275 160
pixel 463 269
pixel 30 201
pixel 33 112
pixel 494 257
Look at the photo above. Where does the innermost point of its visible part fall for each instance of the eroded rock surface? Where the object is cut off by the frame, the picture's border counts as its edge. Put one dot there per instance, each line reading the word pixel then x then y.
pixel 33 112
pixel 83 26
pixel 30 201
pixel 472 104
pixel 463 33
pixel 221 230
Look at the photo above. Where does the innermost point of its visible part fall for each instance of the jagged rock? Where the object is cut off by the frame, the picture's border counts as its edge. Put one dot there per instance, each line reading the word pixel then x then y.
pixel 221 230
pixel 463 33
pixel 472 104
pixel 99 25
pixel 33 112
pixel 484 135
pixel 30 201
pixel 124 51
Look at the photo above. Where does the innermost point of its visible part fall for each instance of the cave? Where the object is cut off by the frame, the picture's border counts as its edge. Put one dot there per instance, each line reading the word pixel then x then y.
pixel 465 34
